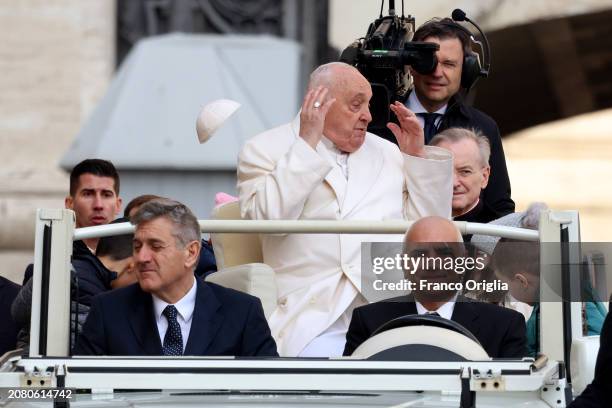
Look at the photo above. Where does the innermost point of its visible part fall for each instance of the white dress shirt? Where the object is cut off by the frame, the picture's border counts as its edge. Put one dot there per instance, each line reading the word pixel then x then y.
pixel 185 308
pixel 415 106
pixel 445 311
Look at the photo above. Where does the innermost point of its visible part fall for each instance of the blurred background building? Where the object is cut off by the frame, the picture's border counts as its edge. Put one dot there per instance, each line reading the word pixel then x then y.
pixel 550 91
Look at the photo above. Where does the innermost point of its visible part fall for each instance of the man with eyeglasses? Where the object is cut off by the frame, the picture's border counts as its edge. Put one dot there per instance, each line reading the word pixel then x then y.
pixel 436 244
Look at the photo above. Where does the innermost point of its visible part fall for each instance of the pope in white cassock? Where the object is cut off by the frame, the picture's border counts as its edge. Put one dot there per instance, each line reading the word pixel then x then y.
pixel 325 166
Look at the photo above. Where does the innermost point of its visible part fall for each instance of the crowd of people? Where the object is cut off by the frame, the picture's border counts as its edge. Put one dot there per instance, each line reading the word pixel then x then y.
pixel 144 293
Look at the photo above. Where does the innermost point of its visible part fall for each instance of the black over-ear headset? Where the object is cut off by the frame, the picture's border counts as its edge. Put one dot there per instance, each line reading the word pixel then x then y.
pixel 472 68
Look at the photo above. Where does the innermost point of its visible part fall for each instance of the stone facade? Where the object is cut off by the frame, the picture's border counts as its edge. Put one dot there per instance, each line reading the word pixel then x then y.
pixel 56 60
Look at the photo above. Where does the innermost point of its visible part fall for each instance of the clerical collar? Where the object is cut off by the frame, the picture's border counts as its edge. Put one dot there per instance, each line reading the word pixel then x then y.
pixel 470 209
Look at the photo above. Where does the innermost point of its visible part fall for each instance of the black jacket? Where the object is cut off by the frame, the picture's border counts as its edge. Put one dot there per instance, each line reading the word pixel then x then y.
pixel 459 114
pixel 78 249
pixel 89 278
pixel 92 277
pixel 599 394
pixel 500 331
pixel 8 328
pixel 482 213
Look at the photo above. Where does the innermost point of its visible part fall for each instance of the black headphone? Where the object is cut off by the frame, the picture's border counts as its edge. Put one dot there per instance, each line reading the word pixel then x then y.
pixel 472 68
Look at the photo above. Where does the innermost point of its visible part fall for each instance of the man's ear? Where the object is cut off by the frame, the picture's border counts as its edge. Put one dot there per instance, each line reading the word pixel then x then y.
pixel 119 203
pixel 68 202
pixel 486 172
pixel 524 282
pixel 193 253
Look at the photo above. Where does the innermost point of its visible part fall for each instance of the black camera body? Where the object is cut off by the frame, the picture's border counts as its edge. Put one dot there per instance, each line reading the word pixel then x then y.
pixel 381 56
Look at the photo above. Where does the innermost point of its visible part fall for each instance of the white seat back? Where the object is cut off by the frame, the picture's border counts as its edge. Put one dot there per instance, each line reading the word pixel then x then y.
pixel 235 248
pixel 256 279
pixel 583 357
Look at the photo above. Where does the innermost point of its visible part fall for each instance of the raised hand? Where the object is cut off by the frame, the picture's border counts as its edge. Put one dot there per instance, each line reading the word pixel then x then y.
pixel 409 133
pixel 312 117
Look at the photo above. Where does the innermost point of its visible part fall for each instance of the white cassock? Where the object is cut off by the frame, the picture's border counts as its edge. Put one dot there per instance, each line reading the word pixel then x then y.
pixel 280 177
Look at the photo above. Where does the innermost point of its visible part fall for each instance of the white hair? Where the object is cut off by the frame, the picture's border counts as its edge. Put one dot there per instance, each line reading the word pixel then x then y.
pixel 454 135
pixel 325 75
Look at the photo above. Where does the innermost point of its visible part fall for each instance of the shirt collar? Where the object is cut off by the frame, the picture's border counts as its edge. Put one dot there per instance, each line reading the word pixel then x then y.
pixel 185 306
pixel 445 311
pixel 415 105
pixel 331 147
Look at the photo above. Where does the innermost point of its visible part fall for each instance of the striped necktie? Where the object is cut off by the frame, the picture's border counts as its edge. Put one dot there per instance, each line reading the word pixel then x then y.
pixel 430 125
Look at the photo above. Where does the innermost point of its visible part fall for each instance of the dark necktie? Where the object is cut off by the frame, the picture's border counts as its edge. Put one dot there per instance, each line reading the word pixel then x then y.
pixel 173 340
pixel 430 125
pixel 432 314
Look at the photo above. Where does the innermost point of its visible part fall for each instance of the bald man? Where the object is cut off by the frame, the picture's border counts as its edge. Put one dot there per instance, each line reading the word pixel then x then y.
pixel 324 165
pixel 500 331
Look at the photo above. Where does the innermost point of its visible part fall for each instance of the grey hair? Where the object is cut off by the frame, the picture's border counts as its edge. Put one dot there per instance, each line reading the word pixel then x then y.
pixel 324 75
pixel 186 227
pixel 454 135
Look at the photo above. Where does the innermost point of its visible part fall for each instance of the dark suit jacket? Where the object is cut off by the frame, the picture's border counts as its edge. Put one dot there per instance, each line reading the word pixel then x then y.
pixel 8 328
pixel 225 323
pixel 500 331
pixel 599 393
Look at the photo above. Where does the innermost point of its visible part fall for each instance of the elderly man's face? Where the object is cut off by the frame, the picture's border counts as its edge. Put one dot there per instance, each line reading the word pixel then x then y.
pixel 434 240
pixel 347 121
pixel 163 267
pixel 470 176
pixel 435 89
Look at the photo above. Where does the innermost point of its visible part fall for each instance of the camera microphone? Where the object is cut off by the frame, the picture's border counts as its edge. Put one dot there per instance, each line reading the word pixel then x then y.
pixel 458 15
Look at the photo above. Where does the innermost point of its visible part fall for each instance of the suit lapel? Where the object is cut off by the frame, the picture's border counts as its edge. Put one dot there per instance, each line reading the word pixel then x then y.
pixel 143 324
pixel 364 167
pixel 206 321
pixel 409 305
pixel 334 178
pixel 465 315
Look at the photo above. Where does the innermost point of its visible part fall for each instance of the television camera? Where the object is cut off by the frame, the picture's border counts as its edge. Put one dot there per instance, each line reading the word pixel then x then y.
pixel 387 48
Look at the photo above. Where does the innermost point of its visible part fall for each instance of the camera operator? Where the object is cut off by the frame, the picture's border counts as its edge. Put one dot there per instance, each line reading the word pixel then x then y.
pixel 437 101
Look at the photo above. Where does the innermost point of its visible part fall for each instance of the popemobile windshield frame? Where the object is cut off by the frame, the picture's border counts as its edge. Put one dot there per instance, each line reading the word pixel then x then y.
pixel 541 383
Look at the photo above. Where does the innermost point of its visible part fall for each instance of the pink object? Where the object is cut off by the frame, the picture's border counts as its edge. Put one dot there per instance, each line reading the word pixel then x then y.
pixel 222 198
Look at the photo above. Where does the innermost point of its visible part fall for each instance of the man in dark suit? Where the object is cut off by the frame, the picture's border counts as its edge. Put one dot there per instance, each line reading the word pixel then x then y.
pixel 501 332
pixel 598 394
pixel 437 99
pixel 170 311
